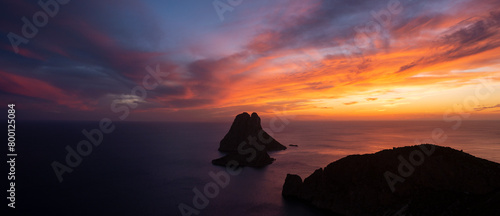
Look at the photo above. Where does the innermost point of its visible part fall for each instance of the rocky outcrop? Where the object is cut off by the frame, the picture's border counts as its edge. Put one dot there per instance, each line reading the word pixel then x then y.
pixel 416 180
pixel 293 186
pixel 244 127
pixel 246 143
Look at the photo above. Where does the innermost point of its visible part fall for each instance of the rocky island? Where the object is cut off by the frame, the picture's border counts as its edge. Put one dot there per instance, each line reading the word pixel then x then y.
pixel 247 144
pixel 416 180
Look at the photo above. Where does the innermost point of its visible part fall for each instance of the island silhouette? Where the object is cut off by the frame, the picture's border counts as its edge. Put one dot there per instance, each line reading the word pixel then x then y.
pixel 247 144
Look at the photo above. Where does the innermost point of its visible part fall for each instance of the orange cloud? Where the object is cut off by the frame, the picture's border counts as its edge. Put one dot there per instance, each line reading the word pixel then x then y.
pixel 437 61
pixel 351 103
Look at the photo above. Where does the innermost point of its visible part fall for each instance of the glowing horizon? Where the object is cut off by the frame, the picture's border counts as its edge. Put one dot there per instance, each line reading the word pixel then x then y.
pixel 318 60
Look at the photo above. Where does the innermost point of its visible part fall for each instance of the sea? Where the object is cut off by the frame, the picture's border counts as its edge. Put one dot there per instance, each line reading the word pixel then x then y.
pixel 161 168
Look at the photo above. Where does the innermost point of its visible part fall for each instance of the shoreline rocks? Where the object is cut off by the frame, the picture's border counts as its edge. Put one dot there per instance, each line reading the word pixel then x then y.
pixel 415 180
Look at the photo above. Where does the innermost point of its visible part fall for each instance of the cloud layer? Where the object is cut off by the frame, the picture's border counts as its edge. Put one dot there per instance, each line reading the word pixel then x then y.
pixel 304 56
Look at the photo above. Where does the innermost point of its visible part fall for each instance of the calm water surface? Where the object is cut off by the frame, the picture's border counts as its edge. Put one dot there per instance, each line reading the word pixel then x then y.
pixel 150 168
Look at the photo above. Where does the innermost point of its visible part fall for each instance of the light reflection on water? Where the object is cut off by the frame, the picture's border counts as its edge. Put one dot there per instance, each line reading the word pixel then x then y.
pixel 150 168
pixel 480 138
pixel 320 143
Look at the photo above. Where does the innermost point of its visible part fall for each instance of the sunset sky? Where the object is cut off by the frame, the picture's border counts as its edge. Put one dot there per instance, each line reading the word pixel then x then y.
pixel 316 60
